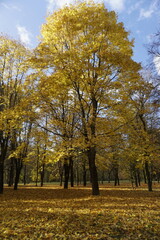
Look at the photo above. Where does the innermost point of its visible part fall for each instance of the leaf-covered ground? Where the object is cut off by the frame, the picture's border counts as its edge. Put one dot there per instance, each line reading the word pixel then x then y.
pixel 55 213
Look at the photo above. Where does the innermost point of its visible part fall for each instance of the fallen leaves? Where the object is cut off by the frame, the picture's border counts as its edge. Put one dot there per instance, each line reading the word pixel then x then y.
pixel 55 213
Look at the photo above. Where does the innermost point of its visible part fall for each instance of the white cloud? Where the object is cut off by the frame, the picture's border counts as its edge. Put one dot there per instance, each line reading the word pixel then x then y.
pixel 5 5
pixel 150 38
pixel 117 5
pixel 25 36
pixel 16 8
pixel 146 13
pixel 10 7
pixel 156 61
pixel 52 4
pixel 135 7
pixel 149 12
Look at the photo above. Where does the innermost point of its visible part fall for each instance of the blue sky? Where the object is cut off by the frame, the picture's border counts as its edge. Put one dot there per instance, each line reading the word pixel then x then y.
pixel 22 19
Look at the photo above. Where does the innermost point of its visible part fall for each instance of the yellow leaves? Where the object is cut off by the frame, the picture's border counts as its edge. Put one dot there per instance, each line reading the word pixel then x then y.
pixel 13 70
pixel 55 213
pixel 10 119
pixel 84 26
pixel 19 151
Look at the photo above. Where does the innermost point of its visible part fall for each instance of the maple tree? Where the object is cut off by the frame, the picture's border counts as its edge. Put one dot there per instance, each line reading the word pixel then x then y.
pixel 142 142
pixel 85 48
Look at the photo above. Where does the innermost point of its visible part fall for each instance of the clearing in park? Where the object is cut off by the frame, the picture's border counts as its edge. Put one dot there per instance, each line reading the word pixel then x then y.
pixel 55 213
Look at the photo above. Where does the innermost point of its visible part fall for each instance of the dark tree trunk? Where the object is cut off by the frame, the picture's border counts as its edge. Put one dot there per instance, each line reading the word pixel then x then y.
pixel 144 175
pixel 109 176
pixel 37 171
pixel 135 178
pixel 11 173
pixel 158 177
pixel 18 164
pixel 148 176
pixel 138 177
pixel 84 175
pixel 116 181
pixel 77 175
pixel 16 179
pixel 42 174
pixel 102 177
pixel 25 175
pixel 60 167
pixel 66 175
pixel 3 150
pixel 61 178
pixel 71 171
pixel 1 176
pixel 93 170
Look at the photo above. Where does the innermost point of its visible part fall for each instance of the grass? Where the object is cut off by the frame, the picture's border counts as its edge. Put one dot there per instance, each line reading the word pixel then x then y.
pixel 55 213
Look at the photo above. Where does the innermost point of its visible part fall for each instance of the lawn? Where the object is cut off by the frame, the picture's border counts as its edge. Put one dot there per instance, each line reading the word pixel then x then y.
pixel 54 213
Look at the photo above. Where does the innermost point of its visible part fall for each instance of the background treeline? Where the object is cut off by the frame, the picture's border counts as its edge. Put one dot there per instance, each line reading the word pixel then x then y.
pixel 78 108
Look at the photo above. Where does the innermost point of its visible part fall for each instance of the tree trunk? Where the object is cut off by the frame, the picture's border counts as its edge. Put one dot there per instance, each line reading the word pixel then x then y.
pixel 158 177
pixel 60 167
pixel 138 177
pixel 24 175
pixel 61 178
pixel 3 151
pixel 144 175
pixel 148 175
pixel 1 176
pixel 37 171
pixel 66 175
pixel 11 173
pixel 93 170
pixel 42 174
pixel 116 181
pixel 71 171
pixel 77 174
pixel 84 175
pixel 135 178
pixel 18 163
pixel 102 177
pixel 109 176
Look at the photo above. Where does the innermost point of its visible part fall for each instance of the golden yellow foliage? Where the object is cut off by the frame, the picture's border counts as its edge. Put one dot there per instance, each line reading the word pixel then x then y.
pixel 53 213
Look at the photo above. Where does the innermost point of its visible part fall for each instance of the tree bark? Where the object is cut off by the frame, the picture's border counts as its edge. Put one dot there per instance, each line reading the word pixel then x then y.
pixel 84 175
pixel 93 170
pixel 18 164
pixel 71 171
pixel 60 167
pixel 138 177
pixel 42 174
pixel 61 178
pixel 1 176
pixel 77 174
pixel 116 181
pixel 148 175
pixel 66 175
pixel 24 175
pixel 3 150
pixel 135 178
pixel 11 173
pixel 109 176
pixel 37 169
pixel 102 177
pixel 144 175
